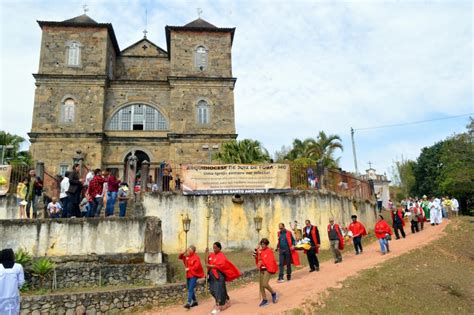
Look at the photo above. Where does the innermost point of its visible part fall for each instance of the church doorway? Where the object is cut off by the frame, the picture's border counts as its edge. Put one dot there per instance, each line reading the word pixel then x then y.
pixel 133 164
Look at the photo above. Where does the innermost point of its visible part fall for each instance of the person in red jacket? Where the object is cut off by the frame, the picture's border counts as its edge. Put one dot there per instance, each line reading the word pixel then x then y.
pixel 358 230
pixel 267 265
pixel 220 270
pixel 194 271
pixel 336 240
pixel 382 232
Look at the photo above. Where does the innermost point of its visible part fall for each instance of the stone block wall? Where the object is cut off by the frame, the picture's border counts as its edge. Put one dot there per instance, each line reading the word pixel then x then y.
pixel 53 57
pixel 113 301
pixel 182 50
pixel 82 275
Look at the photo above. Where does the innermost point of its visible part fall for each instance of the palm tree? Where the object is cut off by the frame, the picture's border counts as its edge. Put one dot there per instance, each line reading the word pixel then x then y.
pixel 246 151
pixel 324 147
pixel 301 149
pixel 11 144
pixel 320 149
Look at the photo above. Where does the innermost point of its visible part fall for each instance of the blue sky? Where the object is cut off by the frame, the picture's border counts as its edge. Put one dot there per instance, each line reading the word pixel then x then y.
pixel 302 66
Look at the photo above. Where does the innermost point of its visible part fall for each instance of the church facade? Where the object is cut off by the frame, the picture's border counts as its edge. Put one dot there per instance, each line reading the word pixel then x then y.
pixel 173 105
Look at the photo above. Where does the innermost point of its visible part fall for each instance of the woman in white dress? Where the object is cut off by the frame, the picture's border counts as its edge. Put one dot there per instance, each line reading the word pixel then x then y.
pixel 11 280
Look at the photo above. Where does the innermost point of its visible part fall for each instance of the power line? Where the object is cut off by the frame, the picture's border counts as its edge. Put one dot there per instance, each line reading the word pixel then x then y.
pixel 414 122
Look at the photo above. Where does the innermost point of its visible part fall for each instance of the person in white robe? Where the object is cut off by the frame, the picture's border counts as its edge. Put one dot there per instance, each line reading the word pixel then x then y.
pixel 12 279
pixel 455 206
pixel 435 211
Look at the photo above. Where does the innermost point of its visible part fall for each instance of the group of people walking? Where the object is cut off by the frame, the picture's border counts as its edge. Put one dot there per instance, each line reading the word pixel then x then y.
pixel 221 270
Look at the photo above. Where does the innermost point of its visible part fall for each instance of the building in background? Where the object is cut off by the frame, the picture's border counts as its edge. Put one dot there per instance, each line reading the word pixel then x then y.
pixel 173 105
pixel 381 185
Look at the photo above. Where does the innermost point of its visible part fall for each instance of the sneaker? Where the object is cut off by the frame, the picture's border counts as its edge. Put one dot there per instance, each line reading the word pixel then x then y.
pixel 357 253
pixel 288 278
pixel 263 303
pixel 274 298
pixel 312 270
pixel 280 280
pixel 195 303
pixel 187 306
pixel 317 269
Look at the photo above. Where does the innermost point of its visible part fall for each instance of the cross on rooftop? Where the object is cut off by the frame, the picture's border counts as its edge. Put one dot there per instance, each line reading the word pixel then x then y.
pixel 199 12
pixel 85 8
pixel 370 164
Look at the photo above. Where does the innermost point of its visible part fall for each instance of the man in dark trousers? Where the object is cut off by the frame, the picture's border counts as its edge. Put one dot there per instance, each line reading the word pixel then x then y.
pixel 74 192
pixel 311 232
pixel 286 243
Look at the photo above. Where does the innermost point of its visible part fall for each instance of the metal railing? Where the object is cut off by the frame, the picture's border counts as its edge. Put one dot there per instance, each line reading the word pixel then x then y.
pixel 340 182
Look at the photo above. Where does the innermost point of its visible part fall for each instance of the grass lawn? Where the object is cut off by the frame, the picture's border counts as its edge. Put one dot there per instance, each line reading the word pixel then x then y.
pixel 436 279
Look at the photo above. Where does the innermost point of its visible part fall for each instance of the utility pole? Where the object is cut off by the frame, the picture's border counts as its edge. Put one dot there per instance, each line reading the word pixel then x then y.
pixel 354 151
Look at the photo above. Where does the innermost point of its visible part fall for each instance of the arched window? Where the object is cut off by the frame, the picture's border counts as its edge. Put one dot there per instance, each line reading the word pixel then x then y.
pixel 74 53
pixel 203 112
pixel 138 117
pixel 68 111
pixel 201 58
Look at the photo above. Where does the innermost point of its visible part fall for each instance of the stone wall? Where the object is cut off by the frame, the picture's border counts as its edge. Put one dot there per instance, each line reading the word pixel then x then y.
pixel 113 301
pixel 232 224
pixel 53 57
pixel 61 237
pixel 183 45
pixel 82 275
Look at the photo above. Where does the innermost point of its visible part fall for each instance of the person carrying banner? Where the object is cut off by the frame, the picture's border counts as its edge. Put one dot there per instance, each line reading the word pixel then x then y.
pixel 220 271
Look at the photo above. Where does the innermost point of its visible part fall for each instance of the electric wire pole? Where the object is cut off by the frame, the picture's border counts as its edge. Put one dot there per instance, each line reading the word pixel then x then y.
pixel 354 151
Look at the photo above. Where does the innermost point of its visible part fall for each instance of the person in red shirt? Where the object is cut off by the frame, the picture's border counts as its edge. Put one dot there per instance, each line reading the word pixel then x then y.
pixel 358 230
pixel 220 270
pixel 94 190
pixel 382 232
pixel 267 265
pixel 194 271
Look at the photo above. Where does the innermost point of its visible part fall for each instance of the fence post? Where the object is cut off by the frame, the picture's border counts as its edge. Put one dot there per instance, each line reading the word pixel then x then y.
pixel 145 169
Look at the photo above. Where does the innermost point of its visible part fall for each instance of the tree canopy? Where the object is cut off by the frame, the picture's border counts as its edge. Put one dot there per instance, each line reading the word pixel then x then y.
pixel 322 148
pixel 245 151
pixel 11 144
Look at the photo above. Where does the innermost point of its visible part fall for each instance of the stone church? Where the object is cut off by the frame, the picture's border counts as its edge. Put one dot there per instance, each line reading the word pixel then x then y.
pixel 174 104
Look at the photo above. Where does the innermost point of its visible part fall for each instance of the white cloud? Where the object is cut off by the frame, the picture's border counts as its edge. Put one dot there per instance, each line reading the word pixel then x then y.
pixel 301 66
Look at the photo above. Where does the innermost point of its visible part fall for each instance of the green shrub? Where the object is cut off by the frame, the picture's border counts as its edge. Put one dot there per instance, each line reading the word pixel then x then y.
pixel 23 257
pixel 42 267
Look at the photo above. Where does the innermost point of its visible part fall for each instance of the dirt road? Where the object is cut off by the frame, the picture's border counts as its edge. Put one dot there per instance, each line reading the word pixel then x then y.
pixel 309 286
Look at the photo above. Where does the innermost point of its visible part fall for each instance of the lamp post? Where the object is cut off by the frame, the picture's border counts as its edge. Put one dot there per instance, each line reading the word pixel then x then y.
pixel 257 220
pixel 208 217
pixel 186 226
